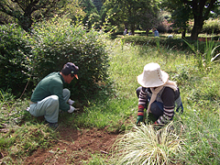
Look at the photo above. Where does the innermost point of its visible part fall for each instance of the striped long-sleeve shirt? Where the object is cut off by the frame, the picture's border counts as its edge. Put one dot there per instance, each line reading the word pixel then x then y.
pixel 168 97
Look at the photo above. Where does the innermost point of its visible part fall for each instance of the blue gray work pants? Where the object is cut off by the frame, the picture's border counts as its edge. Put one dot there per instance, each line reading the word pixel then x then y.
pixel 48 107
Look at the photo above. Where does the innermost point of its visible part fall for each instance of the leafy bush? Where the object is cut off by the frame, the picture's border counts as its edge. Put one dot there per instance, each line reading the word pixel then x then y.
pixel 57 42
pixel 14 54
pixel 211 26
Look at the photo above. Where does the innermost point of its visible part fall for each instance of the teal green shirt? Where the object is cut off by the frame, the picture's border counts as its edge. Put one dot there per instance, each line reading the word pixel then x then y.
pixel 52 84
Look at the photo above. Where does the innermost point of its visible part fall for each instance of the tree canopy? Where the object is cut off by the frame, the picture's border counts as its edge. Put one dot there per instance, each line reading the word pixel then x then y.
pixel 201 11
pixel 132 13
pixel 183 10
pixel 91 12
pixel 25 12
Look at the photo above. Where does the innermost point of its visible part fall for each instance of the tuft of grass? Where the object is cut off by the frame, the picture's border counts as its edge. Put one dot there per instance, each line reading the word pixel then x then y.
pixel 145 145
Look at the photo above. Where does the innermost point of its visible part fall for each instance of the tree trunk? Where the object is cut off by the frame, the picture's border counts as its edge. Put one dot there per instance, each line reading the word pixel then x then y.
pixel 132 29
pixel 184 33
pixel 147 32
pixel 198 23
pixel 26 23
pixel 201 12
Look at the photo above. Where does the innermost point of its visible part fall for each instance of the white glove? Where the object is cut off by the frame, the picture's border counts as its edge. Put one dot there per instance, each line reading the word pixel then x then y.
pixel 70 102
pixel 28 108
pixel 71 109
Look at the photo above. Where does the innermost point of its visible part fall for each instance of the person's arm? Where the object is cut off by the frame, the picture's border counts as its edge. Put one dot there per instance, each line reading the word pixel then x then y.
pixel 168 98
pixel 141 104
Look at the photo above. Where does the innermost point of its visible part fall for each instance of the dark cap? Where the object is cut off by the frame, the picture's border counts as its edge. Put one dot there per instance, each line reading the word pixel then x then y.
pixel 70 68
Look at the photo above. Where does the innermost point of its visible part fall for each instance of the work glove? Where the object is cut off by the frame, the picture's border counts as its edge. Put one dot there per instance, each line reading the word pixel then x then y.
pixel 70 102
pixel 140 114
pixel 139 119
pixel 71 109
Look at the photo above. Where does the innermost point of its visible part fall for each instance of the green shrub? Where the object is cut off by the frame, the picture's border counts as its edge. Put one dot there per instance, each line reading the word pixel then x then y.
pixel 57 42
pixel 14 54
pixel 211 26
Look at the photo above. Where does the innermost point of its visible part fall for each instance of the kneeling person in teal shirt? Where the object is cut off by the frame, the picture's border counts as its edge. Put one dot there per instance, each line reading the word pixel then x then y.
pixel 49 96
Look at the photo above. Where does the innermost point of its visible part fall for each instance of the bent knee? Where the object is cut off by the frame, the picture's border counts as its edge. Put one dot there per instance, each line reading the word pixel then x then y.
pixel 66 92
pixel 54 99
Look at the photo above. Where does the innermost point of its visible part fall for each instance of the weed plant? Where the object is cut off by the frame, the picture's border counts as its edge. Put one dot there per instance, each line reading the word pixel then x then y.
pixel 204 59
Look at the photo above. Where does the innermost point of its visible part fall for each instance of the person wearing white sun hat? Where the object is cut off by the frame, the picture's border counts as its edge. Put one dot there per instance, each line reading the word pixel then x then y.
pixel 157 94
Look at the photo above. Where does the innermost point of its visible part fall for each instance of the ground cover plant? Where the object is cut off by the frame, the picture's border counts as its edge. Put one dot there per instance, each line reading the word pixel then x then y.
pixel 87 137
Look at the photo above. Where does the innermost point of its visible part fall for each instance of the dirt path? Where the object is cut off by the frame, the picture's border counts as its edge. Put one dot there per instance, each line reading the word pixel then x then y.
pixel 74 147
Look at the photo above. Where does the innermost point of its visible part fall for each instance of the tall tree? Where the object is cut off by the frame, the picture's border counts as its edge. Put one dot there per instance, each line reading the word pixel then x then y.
pixel 98 4
pixel 89 8
pixel 131 13
pixel 181 14
pixel 199 10
pixel 25 12
pixel 181 17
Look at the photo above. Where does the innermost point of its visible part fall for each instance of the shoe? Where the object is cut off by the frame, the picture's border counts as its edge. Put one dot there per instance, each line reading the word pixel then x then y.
pixel 51 125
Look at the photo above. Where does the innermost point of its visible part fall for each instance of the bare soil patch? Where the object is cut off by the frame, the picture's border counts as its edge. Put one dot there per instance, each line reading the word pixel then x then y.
pixel 74 147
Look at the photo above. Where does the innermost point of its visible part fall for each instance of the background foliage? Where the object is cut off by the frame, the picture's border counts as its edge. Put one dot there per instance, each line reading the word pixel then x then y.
pixel 57 42
pixel 15 50
pixel 115 112
pixel 46 50
pixel 53 41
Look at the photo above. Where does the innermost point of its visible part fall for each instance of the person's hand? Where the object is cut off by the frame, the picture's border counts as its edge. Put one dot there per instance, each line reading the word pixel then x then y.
pixel 71 109
pixel 157 126
pixel 70 102
pixel 139 119
pixel 140 114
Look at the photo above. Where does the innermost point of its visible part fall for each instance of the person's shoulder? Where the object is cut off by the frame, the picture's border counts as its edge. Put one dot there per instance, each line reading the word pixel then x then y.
pixel 168 90
pixel 55 77
pixel 51 74
pixel 144 89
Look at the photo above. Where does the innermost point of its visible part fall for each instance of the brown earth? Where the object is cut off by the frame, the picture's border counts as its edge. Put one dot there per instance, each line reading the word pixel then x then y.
pixel 74 147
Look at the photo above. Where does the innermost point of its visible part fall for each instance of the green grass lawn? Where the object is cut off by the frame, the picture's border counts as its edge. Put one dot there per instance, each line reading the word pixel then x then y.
pixel 199 91
pixel 199 138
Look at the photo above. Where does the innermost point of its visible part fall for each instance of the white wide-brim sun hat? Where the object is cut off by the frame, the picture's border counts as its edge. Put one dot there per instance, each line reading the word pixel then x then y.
pixel 152 76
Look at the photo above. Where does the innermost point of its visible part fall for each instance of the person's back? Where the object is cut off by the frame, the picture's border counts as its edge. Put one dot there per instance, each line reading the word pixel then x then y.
pixel 125 31
pixel 156 33
pixel 46 86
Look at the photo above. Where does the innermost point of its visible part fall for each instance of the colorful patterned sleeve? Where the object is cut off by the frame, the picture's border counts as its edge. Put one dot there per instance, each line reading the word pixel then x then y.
pixel 142 101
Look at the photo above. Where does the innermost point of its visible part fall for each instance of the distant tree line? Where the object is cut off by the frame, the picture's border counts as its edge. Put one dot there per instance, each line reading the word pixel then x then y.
pixel 114 15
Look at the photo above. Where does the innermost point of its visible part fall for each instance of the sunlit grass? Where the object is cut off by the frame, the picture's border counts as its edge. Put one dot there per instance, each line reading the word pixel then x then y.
pixel 22 141
pixel 118 112
pixel 145 145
